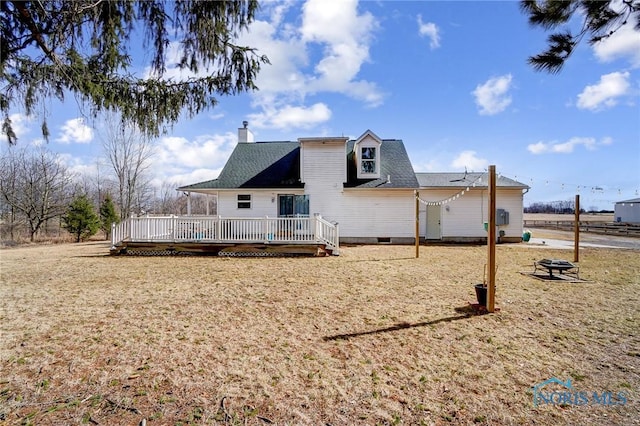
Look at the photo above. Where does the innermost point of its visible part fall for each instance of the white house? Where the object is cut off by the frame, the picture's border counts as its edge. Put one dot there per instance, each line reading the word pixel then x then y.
pixel 366 185
pixel 455 207
pixel 627 211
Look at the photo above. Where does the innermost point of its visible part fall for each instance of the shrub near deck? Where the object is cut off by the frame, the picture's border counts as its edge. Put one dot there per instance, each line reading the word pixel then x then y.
pixel 372 336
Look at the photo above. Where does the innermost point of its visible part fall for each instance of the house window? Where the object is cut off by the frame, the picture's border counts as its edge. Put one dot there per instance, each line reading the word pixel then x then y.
pixel 293 205
pixel 244 201
pixel 368 160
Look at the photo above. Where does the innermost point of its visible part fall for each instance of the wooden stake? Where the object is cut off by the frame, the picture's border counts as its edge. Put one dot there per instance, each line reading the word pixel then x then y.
pixel 417 196
pixel 491 241
pixel 576 231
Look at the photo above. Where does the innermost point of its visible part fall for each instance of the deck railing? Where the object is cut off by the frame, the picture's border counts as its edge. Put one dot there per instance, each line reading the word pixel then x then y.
pixel 215 229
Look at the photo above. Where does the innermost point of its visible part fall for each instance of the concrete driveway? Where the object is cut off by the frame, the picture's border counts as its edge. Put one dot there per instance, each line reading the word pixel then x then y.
pixel 564 240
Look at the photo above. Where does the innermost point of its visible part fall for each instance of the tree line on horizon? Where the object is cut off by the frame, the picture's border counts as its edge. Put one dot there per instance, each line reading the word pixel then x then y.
pixel 42 199
pixel 560 207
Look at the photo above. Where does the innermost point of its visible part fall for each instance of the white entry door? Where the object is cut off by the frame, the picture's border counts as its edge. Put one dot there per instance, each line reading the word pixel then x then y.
pixel 433 223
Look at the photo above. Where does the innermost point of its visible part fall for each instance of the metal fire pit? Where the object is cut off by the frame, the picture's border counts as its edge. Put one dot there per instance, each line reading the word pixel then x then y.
pixel 562 266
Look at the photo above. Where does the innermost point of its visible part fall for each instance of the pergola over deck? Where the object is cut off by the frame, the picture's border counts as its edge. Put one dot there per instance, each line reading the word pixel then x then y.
pixel 213 234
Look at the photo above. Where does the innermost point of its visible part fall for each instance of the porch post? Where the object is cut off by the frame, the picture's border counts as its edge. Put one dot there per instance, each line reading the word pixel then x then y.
pixel 265 228
pixel 188 204
pixel 316 226
pixel 174 225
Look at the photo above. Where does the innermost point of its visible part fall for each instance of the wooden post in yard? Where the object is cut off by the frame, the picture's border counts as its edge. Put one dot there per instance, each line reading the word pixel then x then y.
pixel 417 196
pixel 491 242
pixel 576 231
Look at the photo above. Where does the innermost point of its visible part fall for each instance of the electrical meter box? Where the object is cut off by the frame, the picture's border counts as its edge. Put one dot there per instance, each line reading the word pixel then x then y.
pixel 502 217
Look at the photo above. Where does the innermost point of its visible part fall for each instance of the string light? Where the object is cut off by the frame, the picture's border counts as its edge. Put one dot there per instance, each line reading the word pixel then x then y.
pixel 586 190
pixel 451 198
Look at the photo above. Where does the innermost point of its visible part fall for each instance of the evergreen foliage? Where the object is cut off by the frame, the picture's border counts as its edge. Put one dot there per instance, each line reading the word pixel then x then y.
pixel 600 19
pixel 108 216
pixel 81 219
pixel 81 48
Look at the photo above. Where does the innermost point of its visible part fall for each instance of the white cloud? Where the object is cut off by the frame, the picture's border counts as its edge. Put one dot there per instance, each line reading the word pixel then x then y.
pixel 322 51
pixel 537 148
pixel 568 146
pixel 470 161
pixel 623 44
pixel 603 94
pixel 291 117
pixel 345 36
pixel 75 131
pixel 492 97
pixel 175 155
pixel 77 165
pixel 427 165
pixel 188 177
pixel 288 57
pixel 334 33
pixel 430 30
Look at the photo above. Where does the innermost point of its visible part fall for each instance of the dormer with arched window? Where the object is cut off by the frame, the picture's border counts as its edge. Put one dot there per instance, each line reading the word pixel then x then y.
pixel 366 151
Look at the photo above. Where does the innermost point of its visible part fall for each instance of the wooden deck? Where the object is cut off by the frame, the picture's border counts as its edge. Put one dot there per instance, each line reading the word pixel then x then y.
pixel 214 235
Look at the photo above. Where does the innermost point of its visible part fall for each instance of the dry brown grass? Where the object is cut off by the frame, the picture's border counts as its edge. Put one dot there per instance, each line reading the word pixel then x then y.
pixel 584 217
pixel 374 336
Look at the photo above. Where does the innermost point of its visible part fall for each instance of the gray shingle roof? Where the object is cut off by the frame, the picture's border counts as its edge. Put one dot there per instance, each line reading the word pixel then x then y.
pixel 277 165
pixel 258 165
pixel 633 200
pixel 462 180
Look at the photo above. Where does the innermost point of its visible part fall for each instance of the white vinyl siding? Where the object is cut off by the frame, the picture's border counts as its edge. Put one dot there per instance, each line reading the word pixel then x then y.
pixel 465 216
pixel 324 162
pixel 325 171
pixel 376 213
pixel 261 204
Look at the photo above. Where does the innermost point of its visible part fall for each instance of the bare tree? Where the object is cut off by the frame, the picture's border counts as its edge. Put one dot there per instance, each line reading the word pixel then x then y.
pixel 129 153
pixel 34 184
pixel 166 199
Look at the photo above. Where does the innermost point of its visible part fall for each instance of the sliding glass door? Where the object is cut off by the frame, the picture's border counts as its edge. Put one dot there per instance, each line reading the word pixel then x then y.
pixel 290 205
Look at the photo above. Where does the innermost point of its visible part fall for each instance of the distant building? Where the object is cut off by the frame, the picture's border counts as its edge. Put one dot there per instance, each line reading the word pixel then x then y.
pixel 627 211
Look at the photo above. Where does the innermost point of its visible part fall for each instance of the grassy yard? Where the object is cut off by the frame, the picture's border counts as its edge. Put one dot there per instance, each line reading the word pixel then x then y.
pixel 373 336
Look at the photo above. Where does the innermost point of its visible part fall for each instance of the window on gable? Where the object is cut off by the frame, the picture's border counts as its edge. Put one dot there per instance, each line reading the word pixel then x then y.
pixel 368 160
pixel 244 201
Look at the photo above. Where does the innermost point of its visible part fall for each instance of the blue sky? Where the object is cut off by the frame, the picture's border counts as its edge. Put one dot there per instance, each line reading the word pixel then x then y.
pixel 449 78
